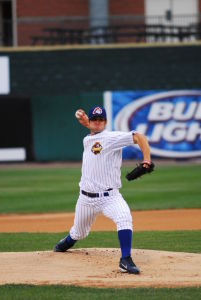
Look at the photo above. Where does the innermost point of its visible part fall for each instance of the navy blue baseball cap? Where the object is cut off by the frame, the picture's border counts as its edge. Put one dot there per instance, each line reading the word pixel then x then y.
pixel 97 111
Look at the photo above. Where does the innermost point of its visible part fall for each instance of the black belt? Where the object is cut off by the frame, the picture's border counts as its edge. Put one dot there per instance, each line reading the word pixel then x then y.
pixel 95 195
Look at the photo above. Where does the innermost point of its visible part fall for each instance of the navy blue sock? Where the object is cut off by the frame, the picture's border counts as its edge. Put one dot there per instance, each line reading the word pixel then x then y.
pixel 125 239
pixel 70 241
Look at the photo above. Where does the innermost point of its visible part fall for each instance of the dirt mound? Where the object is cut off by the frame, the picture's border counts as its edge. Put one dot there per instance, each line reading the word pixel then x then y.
pixel 99 268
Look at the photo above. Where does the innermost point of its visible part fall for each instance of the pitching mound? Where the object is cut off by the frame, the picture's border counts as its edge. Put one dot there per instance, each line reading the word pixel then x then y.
pixel 99 268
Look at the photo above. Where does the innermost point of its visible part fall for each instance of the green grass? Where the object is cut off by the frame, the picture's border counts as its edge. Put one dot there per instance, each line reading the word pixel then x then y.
pixel 166 188
pixel 24 292
pixel 38 190
pixel 56 190
pixel 181 241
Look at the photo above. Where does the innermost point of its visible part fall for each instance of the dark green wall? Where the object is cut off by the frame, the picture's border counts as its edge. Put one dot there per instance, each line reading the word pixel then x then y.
pixel 71 71
pixel 57 134
pixel 58 82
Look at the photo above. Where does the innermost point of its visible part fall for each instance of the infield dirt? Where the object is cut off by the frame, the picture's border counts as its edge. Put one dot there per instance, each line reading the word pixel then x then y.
pixel 178 219
pixel 99 267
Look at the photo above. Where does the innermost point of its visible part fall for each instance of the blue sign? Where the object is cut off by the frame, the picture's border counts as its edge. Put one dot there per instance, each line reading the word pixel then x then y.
pixel 171 120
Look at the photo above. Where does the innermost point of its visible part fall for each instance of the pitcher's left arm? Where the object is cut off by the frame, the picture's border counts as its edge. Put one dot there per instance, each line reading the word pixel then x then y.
pixel 147 166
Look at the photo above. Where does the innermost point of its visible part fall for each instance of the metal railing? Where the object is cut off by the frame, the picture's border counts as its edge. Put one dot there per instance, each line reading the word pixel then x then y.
pixel 120 29
pixel 118 34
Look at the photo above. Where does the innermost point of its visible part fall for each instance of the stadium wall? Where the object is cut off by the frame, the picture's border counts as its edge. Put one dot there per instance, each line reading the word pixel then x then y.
pixel 58 81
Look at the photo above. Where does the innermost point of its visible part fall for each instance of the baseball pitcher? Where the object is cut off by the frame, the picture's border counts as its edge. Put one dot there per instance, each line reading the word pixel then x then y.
pixel 100 183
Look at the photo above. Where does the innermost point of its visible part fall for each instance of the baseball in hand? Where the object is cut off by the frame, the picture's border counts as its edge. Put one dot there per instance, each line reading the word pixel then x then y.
pixel 79 113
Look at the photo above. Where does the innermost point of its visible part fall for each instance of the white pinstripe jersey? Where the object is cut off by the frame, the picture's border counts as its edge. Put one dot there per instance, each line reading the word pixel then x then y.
pixel 102 159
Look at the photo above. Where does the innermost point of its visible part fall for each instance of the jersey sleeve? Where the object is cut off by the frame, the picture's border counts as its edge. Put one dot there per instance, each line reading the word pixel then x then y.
pixel 120 139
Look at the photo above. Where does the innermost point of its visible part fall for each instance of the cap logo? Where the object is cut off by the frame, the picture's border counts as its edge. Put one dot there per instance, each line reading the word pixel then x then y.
pixel 97 110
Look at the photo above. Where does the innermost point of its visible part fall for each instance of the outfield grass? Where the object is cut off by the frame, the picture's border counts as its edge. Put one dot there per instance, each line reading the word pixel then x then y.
pixel 56 190
pixel 181 241
pixel 24 292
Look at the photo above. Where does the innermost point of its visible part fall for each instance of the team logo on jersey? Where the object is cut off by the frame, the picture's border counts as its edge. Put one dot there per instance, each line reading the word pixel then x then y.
pixel 96 148
pixel 97 110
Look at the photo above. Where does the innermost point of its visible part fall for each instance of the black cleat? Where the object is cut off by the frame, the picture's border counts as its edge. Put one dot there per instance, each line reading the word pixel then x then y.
pixel 126 265
pixel 62 246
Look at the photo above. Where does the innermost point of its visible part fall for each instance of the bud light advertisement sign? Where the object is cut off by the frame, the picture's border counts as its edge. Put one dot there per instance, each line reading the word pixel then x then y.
pixel 171 120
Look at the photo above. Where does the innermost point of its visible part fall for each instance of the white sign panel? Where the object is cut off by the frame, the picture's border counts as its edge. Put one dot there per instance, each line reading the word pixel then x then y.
pixel 4 75
pixel 12 154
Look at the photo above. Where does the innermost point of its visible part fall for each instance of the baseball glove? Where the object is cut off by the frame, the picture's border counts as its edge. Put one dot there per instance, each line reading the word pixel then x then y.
pixel 140 170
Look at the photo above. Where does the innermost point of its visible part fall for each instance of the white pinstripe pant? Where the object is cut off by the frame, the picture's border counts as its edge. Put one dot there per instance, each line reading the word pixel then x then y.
pixel 112 206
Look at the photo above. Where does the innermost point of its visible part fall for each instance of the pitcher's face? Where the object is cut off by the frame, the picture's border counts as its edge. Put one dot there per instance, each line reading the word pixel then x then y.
pixel 97 124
